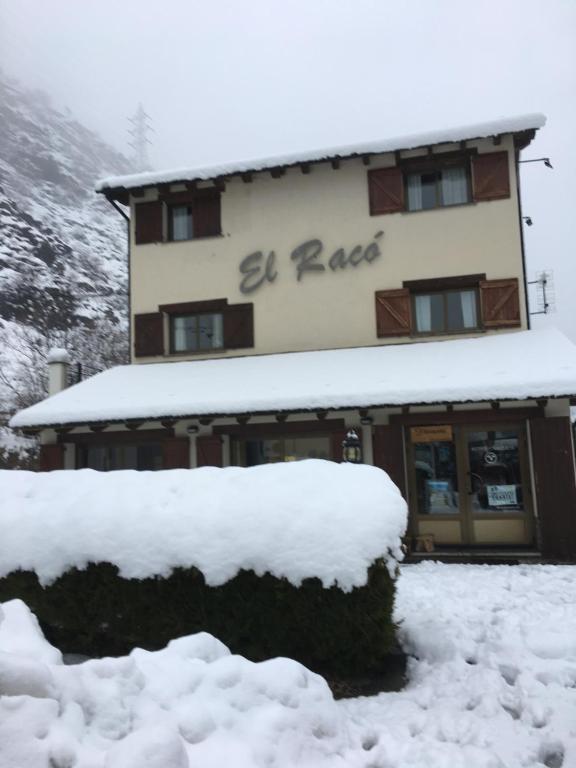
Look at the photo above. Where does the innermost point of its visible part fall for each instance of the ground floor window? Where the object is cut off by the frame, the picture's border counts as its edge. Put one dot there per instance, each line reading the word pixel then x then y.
pixel 107 457
pixel 249 453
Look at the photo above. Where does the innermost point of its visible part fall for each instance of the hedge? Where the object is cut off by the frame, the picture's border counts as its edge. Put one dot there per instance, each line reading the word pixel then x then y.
pixel 97 613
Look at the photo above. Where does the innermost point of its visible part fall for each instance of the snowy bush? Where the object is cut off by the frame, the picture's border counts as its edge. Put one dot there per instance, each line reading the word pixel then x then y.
pixel 291 559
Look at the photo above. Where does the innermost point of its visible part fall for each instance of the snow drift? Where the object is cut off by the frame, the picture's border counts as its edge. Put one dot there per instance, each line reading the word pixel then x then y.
pixel 295 521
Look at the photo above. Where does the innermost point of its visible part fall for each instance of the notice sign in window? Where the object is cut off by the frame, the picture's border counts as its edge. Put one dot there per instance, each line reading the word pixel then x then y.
pixel 435 434
pixel 502 495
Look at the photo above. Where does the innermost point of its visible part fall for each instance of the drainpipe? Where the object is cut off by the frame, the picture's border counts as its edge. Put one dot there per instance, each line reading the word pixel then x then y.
pixel 126 218
pixel 521 225
pixel 58 363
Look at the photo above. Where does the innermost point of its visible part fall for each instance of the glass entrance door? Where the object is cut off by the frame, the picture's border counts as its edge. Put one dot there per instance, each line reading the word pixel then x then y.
pixel 470 485
pixel 498 494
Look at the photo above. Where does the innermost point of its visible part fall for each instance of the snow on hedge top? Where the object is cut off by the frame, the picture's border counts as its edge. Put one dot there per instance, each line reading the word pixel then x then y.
pixel 524 364
pixel 296 520
pixel 468 132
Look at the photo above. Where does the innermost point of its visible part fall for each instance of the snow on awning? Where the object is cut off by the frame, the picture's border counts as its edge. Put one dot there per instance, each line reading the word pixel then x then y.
pixel 507 366
pixel 517 124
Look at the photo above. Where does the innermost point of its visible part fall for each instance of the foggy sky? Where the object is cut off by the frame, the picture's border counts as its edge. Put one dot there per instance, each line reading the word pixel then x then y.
pixel 249 78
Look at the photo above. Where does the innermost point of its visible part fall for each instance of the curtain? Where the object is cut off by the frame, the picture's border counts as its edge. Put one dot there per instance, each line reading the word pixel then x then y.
pixel 414 192
pixel 468 299
pixel 454 186
pixel 180 336
pixel 217 331
pixel 424 313
pixel 181 223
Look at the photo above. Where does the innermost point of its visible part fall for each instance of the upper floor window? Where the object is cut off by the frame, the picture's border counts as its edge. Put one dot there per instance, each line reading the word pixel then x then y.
pixel 432 188
pixel 180 222
pixel 196 332
pixel 178 216
pixel 438 181
pixel 459 304
pixel 448 311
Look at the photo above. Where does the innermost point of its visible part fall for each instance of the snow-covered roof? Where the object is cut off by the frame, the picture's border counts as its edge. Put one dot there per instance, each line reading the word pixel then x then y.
pixel 507 366
pixel 413 141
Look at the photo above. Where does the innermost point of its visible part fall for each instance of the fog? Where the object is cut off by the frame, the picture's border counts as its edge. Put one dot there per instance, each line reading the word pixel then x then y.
pixel 233 80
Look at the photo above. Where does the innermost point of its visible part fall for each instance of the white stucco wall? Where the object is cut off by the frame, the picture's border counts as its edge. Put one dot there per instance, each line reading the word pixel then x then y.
pixel 331 308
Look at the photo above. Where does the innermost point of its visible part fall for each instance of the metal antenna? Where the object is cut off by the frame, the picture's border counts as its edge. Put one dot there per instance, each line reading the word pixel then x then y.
pixel 138 130
pixel 545 297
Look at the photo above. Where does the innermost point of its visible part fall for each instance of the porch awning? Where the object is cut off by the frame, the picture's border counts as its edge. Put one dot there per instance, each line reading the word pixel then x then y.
pixel 506 366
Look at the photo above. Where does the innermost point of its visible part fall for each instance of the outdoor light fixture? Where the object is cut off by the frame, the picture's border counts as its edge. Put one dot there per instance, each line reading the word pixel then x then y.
pixel 351 448
pixel 192 429
pixel 545 160
pixel 528 220
pixel 366 421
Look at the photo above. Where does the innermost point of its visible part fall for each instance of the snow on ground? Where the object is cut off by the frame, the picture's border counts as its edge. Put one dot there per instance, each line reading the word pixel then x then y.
pixel 294 520
pixel 523 365
pixel 492 685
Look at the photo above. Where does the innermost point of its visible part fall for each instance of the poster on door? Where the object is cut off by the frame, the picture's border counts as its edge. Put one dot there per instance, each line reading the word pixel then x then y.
pixel 502 495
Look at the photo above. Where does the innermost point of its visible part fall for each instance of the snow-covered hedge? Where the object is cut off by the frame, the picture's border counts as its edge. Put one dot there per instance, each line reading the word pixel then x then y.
pixel 292 560
pixel 295 521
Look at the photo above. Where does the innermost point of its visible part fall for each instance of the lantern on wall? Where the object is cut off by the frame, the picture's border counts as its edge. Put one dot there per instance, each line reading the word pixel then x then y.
pixel 351 448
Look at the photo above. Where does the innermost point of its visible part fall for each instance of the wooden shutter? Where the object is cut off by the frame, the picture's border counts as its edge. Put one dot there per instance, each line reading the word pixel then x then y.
pixel 388 445
pixel 490 176
pixel 206 213
pixel 51 457
pixel 393 313
pixel 336 440
pixel 239 326
pixel 176 453
pixel 148 227
pixel 555 484
pixel 500 302
pixel 386 190
pixel 209 451
pixel 148 335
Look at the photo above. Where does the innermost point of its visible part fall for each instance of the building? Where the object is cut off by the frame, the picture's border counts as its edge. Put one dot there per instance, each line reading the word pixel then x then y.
pixel 277 303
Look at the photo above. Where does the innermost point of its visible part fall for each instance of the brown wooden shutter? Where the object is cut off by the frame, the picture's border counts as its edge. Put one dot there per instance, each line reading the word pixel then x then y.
pixel 386 190
pixel 555 485
pixel 176 453
pixel 207 215
pixel 148 226
pixel 209 451
pixel 239 326
pixel 51 457
pixel 393 313
pixel 500 302
pixel 388 445
pixel 148 335
pixel 490 176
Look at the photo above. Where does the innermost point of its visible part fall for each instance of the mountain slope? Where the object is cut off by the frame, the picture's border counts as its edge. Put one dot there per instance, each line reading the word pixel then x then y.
pixel 62 247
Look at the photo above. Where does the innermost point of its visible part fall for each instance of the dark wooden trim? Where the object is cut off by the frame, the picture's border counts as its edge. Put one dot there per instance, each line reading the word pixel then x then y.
pixel 553 459
pixel 141 436
pixel 192 193
pixel 442 283
pixel 285 428
pixel 192 307
pixel 468 417
pixel 435 160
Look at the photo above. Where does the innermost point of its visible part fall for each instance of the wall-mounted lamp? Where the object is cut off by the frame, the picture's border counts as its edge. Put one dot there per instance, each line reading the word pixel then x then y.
pixel 366 421
pixel 192 429
pixel 545 160
pixel 351 448
pixel 528 220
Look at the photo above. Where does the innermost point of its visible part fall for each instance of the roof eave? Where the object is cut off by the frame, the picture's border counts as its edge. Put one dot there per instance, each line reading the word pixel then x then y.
pixel 122 194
